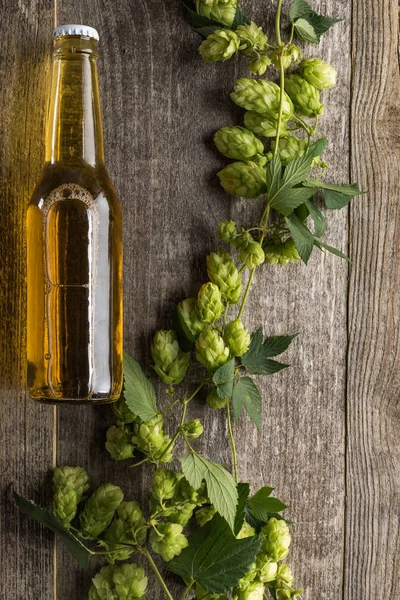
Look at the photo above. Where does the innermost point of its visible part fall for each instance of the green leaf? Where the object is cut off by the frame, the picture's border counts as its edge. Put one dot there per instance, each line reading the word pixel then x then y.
pixel 263 504
pixel 139 393
pixel 286 200
pixel 240 18
pixel 317 217
pixel 336 200
pixel 299 168
pixel 256 360
pixel 305 31
pixel 336 196
pixel 303 238
pixel 274 171
pixel 207 30
pixel 277 344
pixel 299 8
pixel 49 519
pixel 332 250
pixel 223 379
pixel 243 494
pixel 215 558
pixel 221 486
pixel 247 394
pixel 309 25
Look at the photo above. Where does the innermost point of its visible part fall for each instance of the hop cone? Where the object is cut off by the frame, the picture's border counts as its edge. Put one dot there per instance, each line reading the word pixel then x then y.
pixel 277 539
pixel 117 532
pixel 119 443
pixel 103 585
pixel 171 362
pixel 251 254
pixel 211 351
pixel 193 429
pixel 244 179
pixel 223 12
pixel 130 582
pixel 214 401
pixel 290 53
pixel 219 46
pixel 254 591
pixel 261 96
pixel 290 147
pixel 204 515
pixel 284 574
pixel 152 440
pixel 181 514
pixel 163 484
pixel 277 252
pixel 267 569
pixel 318 73
pixel 100 508
pixel 122 412
pixel 209 303
pixel 69 485
pixel 263 124
pixel 246 531
pixel 227 230
pixel 251 38
pixel 259 64
pixel 236 337
pixel 238 143
pixel 190 318
pixel 168 540
pixel 222 271
pixel 305 96
pixel 126 527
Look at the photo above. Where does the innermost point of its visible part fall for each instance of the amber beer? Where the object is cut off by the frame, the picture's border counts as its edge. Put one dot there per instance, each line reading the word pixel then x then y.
pixel 74 238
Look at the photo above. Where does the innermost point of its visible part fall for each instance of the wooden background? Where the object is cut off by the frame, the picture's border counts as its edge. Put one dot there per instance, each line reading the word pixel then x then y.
pixel 331 441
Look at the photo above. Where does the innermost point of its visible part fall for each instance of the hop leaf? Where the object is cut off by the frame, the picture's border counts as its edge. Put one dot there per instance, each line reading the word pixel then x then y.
pixel 168 540
pixel 209 303
pixel 222 271
pixel 265 125
pixel 318 73
pixel 223 12
pixel 219 46
pixel 171 362
pixel 119 443
pixel 69 485
pixel 238 143
pixel 277 539
pixel 244 179
pixel 237 337
pixel 261 96
pixel 99 509
pixel 304 96
pixel 211 351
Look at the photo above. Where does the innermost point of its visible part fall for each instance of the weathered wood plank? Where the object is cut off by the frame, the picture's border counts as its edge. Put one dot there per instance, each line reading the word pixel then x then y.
pixel 161 104
pixel 373 457
pixel 26 428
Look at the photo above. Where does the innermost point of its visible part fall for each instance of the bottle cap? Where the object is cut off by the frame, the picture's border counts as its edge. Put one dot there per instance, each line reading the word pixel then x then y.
pixel 81 30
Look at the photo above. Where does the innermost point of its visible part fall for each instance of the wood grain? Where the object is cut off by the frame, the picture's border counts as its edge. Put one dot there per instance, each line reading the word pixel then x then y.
pixel 373 387
pixel 26 428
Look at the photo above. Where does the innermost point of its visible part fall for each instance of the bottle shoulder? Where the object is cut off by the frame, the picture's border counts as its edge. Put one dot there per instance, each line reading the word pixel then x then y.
pixel 59 180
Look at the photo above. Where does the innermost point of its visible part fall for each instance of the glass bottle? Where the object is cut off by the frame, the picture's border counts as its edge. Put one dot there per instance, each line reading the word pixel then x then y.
pixel 74 242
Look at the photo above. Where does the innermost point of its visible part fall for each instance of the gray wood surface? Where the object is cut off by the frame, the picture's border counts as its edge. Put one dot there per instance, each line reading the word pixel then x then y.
pixel 331 422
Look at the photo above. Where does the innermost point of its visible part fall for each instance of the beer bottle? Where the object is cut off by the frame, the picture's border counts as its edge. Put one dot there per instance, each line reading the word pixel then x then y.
pixel 74 241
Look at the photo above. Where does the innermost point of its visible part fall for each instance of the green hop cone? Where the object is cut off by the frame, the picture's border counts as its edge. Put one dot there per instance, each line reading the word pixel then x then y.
pixel 251 253
pixel 116 540
pixel 290 148
pixel 250 576
pixel 211 351
pixel 318 73
pixel 219 46
pixel 261 96
pixel 204 515
pixel 103 585
pixel 304 96
pixel 238 143
pixel 259 64
pixel 244 179
pixel 236 337
pixel 171 362
pixel 284 575
pixel 278 252
pixel 69 485
pixel 265 125
pixel 222 272
pixel 163 484
pixel 254 591
pixel 119 443
pixel 246 531
pixel 288 594
pixel 267 568
pixel 290 54
pixel 227 230
pixel 127 528
pixel 214 401
pixel 181 514
pixel 252 38
pixel 189 318
pixel 193 429
pixel 130 582
pixel 223 12
pixel 209 303
pixel 152 440
pixel 277 539
pixel 168 540
pixel 99 509
pixel 122 412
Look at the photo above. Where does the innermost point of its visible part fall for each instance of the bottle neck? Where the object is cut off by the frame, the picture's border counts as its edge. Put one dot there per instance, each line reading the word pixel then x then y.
pixel 74 130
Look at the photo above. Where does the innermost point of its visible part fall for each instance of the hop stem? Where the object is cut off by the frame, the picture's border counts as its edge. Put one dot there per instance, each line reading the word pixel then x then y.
pixel 187 590
pixel 157 574
pixel 233 446
pixel 281 74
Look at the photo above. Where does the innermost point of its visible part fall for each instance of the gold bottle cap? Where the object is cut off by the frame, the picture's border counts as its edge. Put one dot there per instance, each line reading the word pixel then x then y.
pixel 81 30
